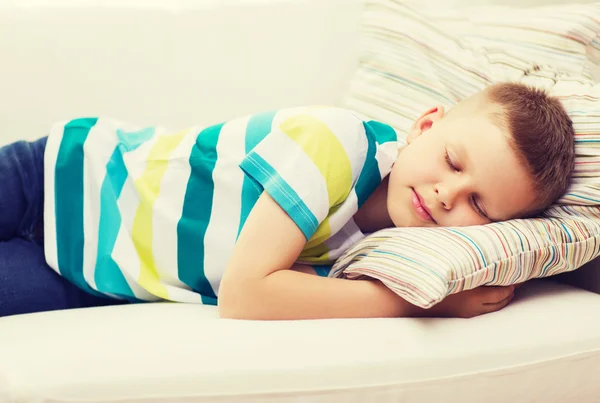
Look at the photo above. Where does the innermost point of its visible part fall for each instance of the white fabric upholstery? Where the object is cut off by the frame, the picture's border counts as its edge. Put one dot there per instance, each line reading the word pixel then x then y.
pixel 168 62
pixel 545 347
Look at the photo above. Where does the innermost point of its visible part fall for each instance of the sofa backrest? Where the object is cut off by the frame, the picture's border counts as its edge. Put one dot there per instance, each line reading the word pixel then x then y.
pixel 169 62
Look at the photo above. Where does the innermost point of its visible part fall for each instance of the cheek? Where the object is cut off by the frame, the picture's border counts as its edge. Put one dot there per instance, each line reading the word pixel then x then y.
pixel 395 174
pixel 418 164
pixel 464 216
pixel 393 185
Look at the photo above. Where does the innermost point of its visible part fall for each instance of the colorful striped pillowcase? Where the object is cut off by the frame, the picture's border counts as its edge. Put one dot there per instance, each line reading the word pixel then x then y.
pixel 410 63
pixel 563 35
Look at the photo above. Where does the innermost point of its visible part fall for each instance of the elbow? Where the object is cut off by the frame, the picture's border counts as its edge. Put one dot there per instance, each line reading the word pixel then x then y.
pixel 226 312
pixel 237 310
pixel 235 303
pixel 229 309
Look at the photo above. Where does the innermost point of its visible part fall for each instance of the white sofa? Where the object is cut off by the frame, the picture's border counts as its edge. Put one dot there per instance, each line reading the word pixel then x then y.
pixel 178 62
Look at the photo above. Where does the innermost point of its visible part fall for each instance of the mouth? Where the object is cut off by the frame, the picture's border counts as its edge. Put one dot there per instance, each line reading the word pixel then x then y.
pixel 420 207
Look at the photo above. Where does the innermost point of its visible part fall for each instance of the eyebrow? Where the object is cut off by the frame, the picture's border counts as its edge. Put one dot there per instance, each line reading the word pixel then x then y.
pixel 463 157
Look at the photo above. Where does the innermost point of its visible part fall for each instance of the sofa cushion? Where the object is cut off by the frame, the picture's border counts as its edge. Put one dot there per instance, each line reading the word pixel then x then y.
pixel 183 353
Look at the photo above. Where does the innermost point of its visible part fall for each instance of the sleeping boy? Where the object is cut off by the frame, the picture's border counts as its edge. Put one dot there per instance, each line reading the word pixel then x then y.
pixel 246 214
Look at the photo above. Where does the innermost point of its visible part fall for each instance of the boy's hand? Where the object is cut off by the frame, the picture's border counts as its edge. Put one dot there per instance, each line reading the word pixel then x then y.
pixel 467 304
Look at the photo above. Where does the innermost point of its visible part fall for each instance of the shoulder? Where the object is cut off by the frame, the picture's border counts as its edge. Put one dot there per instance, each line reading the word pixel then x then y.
pixel 338 120
pixel 327 125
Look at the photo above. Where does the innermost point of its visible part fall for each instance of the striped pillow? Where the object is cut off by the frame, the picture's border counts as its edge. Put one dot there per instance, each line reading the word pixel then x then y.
pixel 410 64
pixel 563 35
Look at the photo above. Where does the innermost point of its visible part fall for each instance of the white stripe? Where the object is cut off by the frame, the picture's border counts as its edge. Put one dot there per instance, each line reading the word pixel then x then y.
pixel 178 294
pixel 346 211
pixel 347 237
pixel 97 150
pixel 228 178
pixel 167 211
pixel 386 155
pixel 50 156
pixel 298 170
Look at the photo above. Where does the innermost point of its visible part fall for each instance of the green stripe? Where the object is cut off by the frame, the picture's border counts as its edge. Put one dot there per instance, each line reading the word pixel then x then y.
pixel 258 128
pixel 68 193
pixel 197 208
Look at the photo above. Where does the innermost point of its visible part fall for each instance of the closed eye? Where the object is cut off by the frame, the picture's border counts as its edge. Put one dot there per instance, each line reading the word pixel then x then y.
pixel 478 209
pixel 450 163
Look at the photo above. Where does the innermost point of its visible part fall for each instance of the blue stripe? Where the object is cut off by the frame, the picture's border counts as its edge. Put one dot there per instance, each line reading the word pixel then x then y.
pixel 369 177
pixel 515 232
pixel 129 141
pixel 567 232
pixel 197 208
pixel 583 197
pixel 470 240
pixel 322 270
pixel 258 128
pixel 107 274
pixel 282 193
pixel 68 193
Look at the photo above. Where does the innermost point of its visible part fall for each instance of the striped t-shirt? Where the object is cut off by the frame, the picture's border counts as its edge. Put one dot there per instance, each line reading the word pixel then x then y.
pixel 147 214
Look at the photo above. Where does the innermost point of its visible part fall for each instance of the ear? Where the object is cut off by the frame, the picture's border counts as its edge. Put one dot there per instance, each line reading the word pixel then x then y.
pixel 424 122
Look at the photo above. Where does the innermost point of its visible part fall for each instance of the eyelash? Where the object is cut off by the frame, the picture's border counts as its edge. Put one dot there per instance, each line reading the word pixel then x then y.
pixel 450 164
pixel 477 208
pixel 455 168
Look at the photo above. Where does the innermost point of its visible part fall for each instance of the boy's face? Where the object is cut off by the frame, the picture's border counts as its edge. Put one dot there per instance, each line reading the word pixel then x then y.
pixel 457 171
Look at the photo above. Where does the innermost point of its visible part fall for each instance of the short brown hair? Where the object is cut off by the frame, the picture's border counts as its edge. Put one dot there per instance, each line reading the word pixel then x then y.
pixel 542 135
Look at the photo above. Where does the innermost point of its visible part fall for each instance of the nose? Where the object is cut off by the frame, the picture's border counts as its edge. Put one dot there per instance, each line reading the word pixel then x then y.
pixel 443 196
pixel 448 193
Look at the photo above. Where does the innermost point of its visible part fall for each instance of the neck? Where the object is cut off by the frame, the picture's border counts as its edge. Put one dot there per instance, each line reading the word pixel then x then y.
pixel 373 215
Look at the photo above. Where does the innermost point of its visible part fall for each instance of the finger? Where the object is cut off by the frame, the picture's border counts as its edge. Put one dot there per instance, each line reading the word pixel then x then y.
pixel 498 305
pixel 493 295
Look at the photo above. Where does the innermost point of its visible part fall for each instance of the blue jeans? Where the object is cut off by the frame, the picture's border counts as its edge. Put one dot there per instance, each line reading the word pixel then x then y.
pixel 27 283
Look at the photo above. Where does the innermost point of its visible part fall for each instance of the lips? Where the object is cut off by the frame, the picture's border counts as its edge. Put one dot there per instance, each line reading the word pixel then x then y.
pixel 420 207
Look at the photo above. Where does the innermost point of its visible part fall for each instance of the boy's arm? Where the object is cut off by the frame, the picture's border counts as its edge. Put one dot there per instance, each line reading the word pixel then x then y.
pixel 258 285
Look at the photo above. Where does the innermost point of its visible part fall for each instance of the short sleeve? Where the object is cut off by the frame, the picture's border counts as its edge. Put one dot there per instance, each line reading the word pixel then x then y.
pixel 309 163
